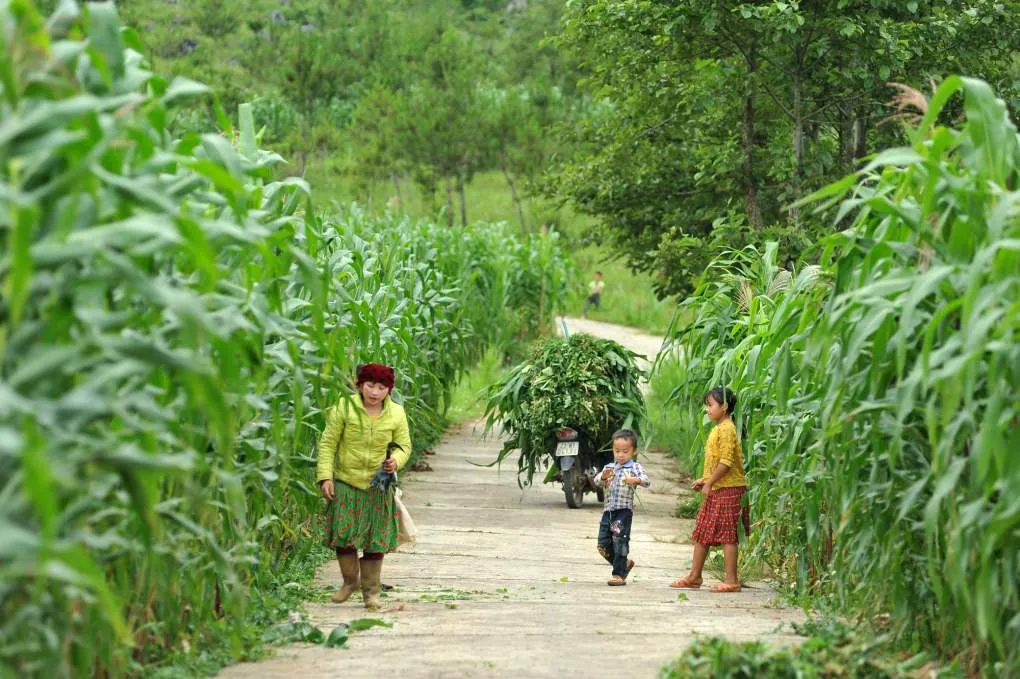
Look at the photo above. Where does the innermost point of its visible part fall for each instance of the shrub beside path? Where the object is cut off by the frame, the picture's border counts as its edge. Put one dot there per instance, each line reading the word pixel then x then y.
pixel 507 583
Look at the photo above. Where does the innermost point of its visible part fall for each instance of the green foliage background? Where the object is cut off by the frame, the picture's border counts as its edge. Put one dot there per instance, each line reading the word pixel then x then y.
pixel 706 120
pixel 174 321
pixel 879 399
pixel 175 311
pixel 664 132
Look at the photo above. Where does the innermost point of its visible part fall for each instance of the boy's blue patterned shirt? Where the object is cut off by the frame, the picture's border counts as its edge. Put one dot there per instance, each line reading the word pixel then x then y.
pixel 620 495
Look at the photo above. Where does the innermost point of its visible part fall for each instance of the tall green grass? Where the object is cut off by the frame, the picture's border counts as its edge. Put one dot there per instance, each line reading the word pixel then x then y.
pixel 880 391
pixel 668 431
pixel 173 323
pixel 467 403
pixel 629 298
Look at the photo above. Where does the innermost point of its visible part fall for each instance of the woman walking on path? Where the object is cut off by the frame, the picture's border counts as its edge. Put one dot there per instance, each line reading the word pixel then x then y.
pixel 723 484
pixel 352 450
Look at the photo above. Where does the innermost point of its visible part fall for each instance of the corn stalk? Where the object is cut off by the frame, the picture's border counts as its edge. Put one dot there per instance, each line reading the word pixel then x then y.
pixel 173 323
pixel 880 397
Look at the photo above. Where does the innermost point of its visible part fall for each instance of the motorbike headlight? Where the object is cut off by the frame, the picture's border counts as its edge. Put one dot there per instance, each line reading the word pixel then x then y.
pixel 566 434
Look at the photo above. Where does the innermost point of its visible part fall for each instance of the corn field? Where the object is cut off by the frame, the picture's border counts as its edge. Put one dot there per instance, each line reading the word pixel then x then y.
pixel 880 389
pixel 173 322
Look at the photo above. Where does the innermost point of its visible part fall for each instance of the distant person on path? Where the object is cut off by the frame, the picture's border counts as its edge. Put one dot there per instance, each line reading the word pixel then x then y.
pixel 351 451
pixel 723 484
pixel 620 477
pixel 594 293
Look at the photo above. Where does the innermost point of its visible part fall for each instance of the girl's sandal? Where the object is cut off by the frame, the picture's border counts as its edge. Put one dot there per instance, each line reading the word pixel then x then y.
pixel 686 582
pixel 723 587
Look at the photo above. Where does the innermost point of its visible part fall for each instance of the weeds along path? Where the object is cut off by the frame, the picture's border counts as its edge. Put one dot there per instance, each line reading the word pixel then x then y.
pixel 507 583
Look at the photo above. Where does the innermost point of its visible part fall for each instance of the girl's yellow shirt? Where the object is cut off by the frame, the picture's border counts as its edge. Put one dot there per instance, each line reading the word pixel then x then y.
pixel 723 445
pixel 353 444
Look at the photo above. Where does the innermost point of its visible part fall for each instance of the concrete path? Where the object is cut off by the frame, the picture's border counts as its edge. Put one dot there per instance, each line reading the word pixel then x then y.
pixel 507 583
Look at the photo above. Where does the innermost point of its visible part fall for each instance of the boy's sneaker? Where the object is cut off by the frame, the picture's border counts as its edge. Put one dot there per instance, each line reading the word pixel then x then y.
pixel 616 581
pixel 630 567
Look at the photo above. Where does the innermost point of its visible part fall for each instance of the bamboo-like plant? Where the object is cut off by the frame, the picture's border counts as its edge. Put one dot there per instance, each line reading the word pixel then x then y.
pixel 173 322
pixel 881 398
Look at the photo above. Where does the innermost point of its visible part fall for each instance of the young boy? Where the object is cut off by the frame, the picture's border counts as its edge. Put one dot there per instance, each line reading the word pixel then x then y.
pixel 594 293
pixel 619 478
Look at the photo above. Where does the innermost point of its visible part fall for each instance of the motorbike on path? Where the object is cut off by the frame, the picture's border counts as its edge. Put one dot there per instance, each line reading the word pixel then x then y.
pixel 578 460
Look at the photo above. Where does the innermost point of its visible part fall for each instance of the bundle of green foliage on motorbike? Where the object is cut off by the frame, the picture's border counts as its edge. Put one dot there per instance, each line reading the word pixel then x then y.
pixel 581 382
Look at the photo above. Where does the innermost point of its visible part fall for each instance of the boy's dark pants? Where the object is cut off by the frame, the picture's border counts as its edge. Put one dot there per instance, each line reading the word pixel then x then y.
pixel 615 548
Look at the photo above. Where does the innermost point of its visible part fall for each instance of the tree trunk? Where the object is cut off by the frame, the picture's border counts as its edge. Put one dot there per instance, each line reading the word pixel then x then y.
pixel 798 146
pixel 513 195
pixel 396 185
pixel 463 200
pixel 747 143
pixel 860 136
pixel 449 201
pixel 427 179
pixel 846 137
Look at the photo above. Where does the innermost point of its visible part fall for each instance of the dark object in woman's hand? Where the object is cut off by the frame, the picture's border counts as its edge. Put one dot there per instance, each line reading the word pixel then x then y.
pixel 386 477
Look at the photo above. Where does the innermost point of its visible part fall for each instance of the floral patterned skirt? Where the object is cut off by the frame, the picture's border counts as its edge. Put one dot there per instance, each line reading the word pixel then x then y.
pixel 363 519
pixel 719 515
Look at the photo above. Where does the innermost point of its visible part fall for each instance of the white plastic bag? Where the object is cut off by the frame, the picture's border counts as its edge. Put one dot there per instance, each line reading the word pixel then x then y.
pixel 407 532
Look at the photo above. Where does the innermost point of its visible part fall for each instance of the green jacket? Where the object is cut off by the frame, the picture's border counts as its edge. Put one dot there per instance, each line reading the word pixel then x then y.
pixel 353 447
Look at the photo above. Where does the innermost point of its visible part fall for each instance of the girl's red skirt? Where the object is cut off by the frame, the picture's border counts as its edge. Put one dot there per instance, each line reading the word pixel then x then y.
pixel 719 515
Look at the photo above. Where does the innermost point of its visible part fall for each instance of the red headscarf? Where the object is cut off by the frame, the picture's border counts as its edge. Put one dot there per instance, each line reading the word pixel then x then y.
pixel 376 372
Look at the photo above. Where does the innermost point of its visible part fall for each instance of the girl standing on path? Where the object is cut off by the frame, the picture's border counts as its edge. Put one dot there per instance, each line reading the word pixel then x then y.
pixel 352 449
pixel 723 485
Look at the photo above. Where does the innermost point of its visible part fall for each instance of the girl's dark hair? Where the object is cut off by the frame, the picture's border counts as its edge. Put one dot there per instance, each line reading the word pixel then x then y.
pixel 723 396
pixel 627 435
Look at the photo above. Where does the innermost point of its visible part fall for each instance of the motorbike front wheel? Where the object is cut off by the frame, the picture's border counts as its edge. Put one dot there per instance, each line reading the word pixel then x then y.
pixel 573 486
